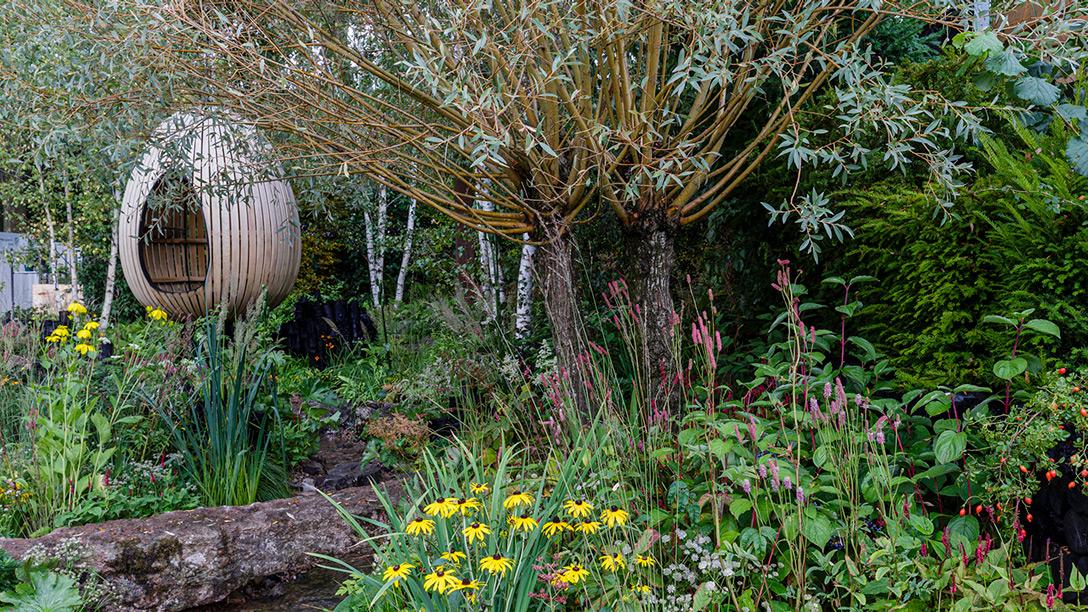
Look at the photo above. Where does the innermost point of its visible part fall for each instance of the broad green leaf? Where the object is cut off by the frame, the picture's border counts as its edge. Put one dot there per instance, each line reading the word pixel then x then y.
pixel 1076 151
pixel 949 446
pixel 1037 91
pixel 817 527
pixel 1044 327
pixel 1007 369
pixel 921 524
pixel 983 43
pixel 1005 63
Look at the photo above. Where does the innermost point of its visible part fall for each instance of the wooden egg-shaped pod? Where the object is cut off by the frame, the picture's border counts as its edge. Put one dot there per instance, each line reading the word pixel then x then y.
pixel 207 220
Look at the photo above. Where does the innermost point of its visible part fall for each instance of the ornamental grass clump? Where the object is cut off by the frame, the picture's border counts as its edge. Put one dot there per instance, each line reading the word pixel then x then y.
pixel 228 437
pixel 506 536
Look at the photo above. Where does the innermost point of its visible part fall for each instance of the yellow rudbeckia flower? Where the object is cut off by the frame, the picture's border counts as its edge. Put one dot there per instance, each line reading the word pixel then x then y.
pixel 523 523
pixel 589 527
pixel 478 488
pixel 578 508
pixel 476 531
pixel 641 589
pixel 555 527
pixel 496 564
pixel 644 561
pixel 445 507
pixel 517 498
pixel 613 562
pixel 573 574
pixel 467 506
pixel 420 526
pixel 439 580
pixel 613 516
pixel 397 572
pixel 454 556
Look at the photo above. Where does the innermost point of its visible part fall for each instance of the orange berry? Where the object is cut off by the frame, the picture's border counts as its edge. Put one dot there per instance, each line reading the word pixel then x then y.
pixel 963 511
pixel 1030 517
pixel 1061 371
pixel 978 509
pixel 1027 500
pixel 1072 484
pixel 1023 469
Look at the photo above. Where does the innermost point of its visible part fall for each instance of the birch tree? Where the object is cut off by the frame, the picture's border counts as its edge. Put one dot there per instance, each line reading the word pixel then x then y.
pixel 406 252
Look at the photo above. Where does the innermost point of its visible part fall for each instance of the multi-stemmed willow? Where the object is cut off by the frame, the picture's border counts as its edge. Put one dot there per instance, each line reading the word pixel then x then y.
pixel 228 435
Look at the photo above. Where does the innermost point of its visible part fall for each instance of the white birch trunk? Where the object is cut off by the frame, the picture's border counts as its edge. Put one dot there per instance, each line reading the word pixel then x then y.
pixel 111 271
pixel 523 314
pixel 490 277
pixel 406 257
pixel 375 246
pixel 981 15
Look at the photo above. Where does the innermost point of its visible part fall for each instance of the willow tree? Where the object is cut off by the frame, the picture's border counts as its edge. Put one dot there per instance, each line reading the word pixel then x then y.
pixel 654 110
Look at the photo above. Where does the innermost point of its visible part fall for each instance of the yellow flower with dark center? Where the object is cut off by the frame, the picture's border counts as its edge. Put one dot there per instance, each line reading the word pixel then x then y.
pixel 496 564
pixel 440 580
pixel 479 489
pixel 613 516
pixel 476 531
pixel 83 349
pixel 578 508
pixel 395 573
pixel 589 527
pixel 157 314
pixel 77 309
pixel 641 589
pixel 469 505
pixel 84 334
pixel 517 498
pixel 613 562
pixel 573 574
pixel 466 584
pixel 445 507
pixel 555 526
pixel 454 556
pixel 524 522
pixel 420 526
pixel 644 561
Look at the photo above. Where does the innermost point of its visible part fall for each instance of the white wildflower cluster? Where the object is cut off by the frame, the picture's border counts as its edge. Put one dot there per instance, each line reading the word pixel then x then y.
pixel 699 565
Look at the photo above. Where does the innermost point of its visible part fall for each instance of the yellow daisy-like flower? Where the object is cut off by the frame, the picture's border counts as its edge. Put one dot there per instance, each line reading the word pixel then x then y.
pixel 524 523
pixel 53 338
pixel 517 498
pixel 496 564
pixel 555 526
pixel 61 331
pixel 91 325
pixel 578 508
pixel 395 573
pixel 476 531
pixel 84 334
pixel 467 506
pixel 613 562
pixel 613 516
pixel 77 309
pixel 479 489
pixel 420 526
pixel 454 556
pixel 445 507
pixel 573 574
pixel 644 561
pixel 440 580
pixel 157 314
pixel 589 527
pixel 84 349
pixel 467 584
pixel 641 589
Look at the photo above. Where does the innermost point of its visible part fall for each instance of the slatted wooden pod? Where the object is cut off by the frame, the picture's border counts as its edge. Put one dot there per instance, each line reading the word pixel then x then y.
pixel 207 220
